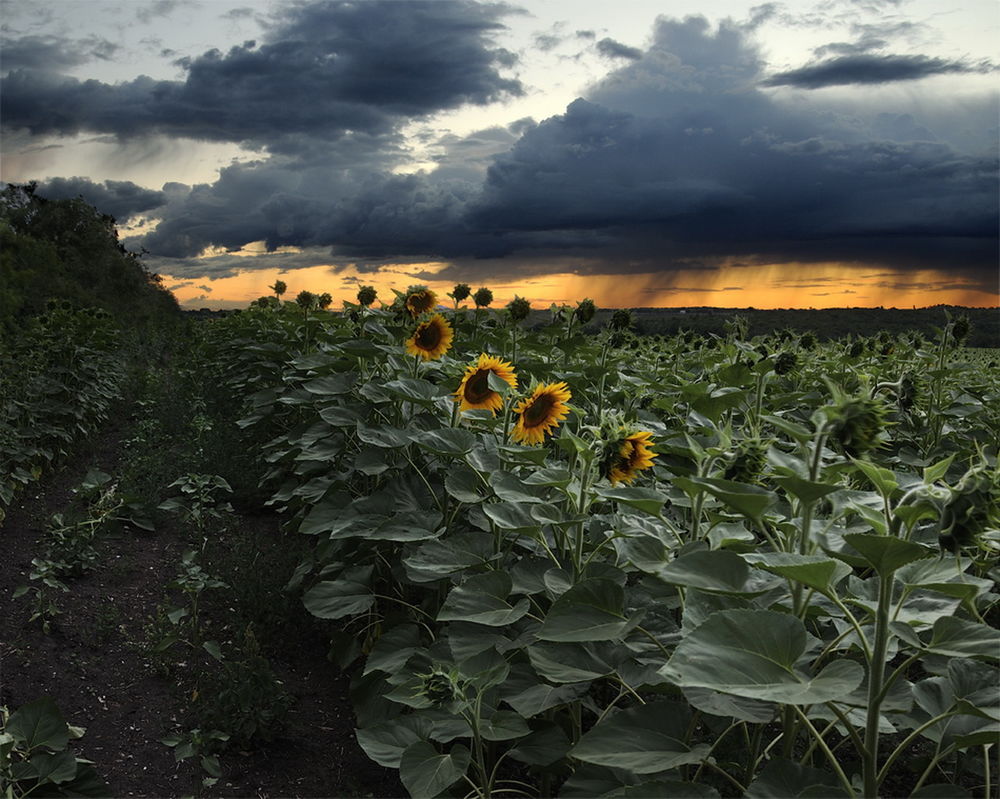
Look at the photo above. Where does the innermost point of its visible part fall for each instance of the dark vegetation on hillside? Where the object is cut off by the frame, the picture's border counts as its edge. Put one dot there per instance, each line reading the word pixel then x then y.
pixel 65 250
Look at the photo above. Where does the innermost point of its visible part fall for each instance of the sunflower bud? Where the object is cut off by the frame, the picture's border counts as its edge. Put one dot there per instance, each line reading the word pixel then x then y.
pixel 747 462
pixel 784 363
pixel 857 348
pixel 483 297
pixel 621 319
pixel 856 424
pixel 366 295
pixel 585 311
pixel 441 687
pixel 908 392
pixel 518 308
pixel 960 328
pixel 971 509
pixel 305 300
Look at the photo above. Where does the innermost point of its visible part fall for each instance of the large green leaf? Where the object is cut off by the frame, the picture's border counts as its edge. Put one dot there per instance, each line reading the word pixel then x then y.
pixel 644 739
pixel 386 741
pixel 786 779
pixel 813 571
pixel 956 637
pixel 718 571
pixel 592 610
pixel 568 662
pixel 805 490
pixel 749 500
pixel 331 384
pixel 886 553
pixel 543 747
pixel 757 654
pixel 450 441
pixel 483 599
pixel 39 723
pixel 413 389
pixel 647 500
pixel 426 773
pixel 335 599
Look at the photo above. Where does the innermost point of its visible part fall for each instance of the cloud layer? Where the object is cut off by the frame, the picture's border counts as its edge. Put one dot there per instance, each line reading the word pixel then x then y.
pixel 688 155
pixel 324 71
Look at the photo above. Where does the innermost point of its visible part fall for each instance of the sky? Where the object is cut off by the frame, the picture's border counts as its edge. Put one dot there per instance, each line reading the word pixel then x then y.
pixel 816 153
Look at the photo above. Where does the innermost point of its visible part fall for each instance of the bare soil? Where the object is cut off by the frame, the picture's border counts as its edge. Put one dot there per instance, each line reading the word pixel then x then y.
pixel 96 663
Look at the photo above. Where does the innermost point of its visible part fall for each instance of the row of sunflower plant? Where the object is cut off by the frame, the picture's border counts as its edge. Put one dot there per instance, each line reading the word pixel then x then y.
pixel 58 378
pixel 607 565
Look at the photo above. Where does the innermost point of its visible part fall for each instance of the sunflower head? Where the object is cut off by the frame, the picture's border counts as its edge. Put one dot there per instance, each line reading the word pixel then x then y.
pixel 431 339
pixel 540 413
pixel 325 300
pixel 279 287
pixel 366 295
pixel 420 299
pixel 475 392
pixel 626 456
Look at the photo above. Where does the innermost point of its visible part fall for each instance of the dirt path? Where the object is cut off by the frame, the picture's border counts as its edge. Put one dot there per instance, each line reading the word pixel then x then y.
pixel 95 663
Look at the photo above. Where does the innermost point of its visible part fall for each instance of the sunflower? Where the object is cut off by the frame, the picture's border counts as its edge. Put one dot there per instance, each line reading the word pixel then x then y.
pixel 431 339
pixel 420 299
pixel 631 456
pixel 540 413
pixel 475 392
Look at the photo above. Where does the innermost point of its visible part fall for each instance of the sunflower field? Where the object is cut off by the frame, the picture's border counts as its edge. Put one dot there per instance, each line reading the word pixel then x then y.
pixel 581 565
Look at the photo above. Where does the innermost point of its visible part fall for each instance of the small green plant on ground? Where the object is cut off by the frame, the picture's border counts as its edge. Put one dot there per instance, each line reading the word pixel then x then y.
pixel 35 758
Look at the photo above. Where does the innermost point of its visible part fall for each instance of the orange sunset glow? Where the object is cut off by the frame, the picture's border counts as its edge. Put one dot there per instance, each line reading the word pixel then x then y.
pixel 828 285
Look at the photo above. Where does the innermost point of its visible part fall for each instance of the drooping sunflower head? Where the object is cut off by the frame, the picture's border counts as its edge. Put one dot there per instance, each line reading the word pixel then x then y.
pixel 420 299
pixel 540 413
pixel 856 425
pixel 626 456
pixel 475 392
pixel 431 339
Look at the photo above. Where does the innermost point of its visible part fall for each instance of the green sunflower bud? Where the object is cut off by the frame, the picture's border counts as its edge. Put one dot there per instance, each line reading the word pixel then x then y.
pixel 856 425
pixel 518 308
pixel 483 297
pixel 784 363
pixel 585 311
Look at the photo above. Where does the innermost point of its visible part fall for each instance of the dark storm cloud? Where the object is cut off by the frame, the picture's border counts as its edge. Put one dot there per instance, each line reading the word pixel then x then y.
pixel 325 71
pixel 53 52
pixel 870 69
pixel 609 48
pixel 676 160
pixel 119 198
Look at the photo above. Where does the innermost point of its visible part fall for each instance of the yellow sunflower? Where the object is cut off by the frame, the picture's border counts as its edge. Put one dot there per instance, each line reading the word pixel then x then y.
pixel 475 392
pixel 431 339
pixel 420 300
pixel 540 413
pixel 633 455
